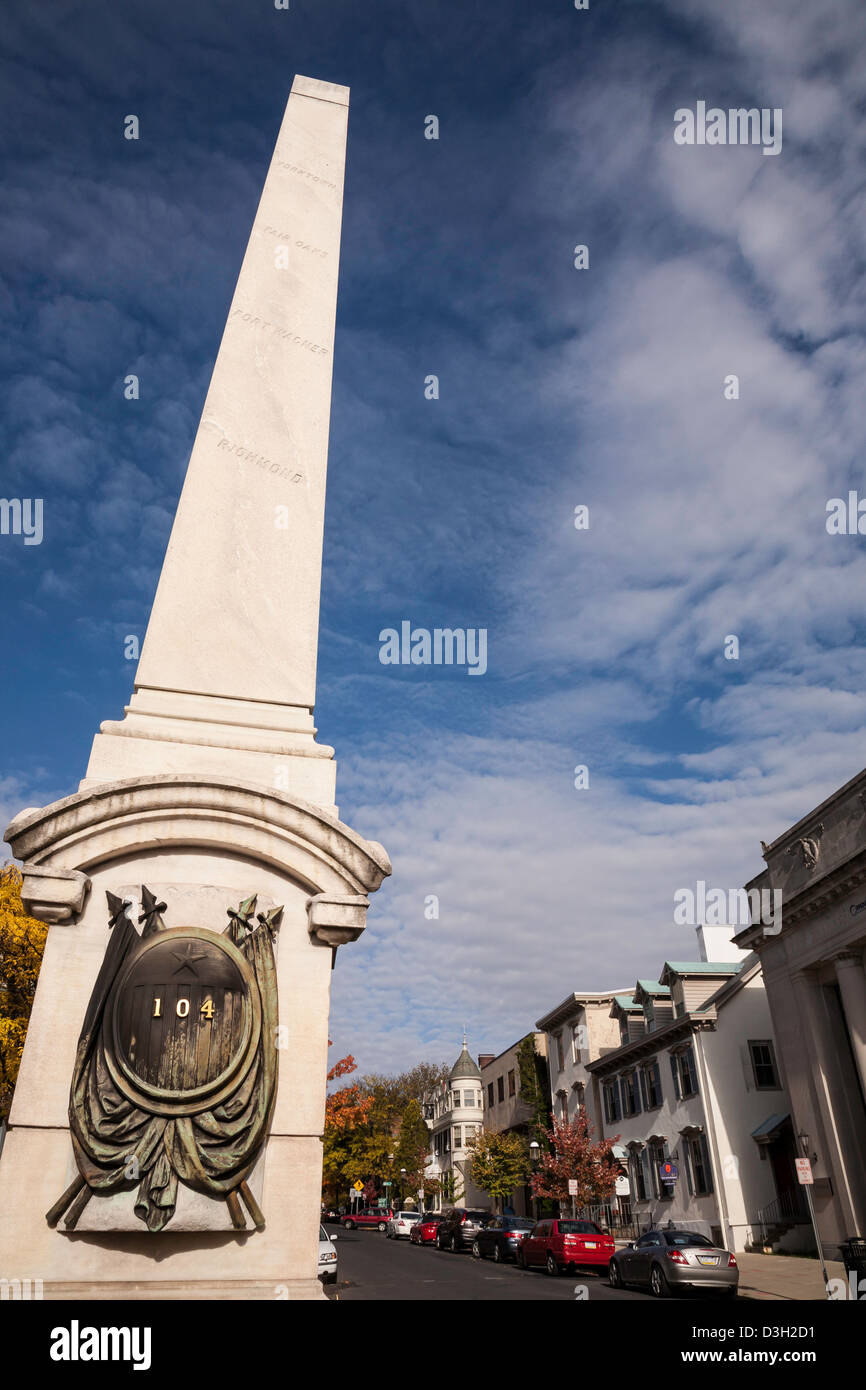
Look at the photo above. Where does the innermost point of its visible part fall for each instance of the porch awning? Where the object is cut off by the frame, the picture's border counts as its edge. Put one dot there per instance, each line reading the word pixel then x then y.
pixel 769 1130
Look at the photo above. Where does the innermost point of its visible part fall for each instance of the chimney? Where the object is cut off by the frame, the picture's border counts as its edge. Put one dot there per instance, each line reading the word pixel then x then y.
pixel 485 1058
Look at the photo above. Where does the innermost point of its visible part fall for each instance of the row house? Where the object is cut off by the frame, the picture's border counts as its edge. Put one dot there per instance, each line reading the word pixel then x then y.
pixel 695 1081
pixel 578 1031
pixel 506 1110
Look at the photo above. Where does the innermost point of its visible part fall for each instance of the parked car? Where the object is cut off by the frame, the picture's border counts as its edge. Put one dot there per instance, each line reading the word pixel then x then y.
pixel 401 1224
pixel 670 1260
pixel 501 1237
pixel 330 1214
pixel 377 1217
pixel 559 1244
pixel 458 1227
pixel 424 1231
pixel 327 1257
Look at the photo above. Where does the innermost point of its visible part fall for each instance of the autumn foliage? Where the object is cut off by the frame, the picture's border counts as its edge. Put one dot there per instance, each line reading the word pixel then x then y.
pixel 574 1156
pixel 350 1105
pixel 22 941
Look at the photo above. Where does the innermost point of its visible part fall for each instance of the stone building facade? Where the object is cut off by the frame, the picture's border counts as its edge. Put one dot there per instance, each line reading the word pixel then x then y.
pixel 813 965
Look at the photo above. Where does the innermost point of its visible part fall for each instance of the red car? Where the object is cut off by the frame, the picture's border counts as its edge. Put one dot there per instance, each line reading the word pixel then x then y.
pixel 377 1217
pixel 564 1244
pixel 424 1231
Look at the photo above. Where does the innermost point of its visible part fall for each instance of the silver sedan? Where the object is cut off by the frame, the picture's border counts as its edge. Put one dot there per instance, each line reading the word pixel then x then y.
pixel 670 1260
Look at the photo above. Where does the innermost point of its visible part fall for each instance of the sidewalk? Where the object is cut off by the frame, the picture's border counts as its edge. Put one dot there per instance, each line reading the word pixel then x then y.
pixel 785 1277
pixel 781 1277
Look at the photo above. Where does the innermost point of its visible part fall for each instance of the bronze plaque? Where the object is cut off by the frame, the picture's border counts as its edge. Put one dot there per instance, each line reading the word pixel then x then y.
pixel 181 1015
pixel 176 1068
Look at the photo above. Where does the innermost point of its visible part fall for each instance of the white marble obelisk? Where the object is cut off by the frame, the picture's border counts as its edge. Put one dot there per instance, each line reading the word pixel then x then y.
pixel 229 659
pixel 212 787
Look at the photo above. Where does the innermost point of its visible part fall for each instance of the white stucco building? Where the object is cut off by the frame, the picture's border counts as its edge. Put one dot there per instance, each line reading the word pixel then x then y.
pixel 696 1081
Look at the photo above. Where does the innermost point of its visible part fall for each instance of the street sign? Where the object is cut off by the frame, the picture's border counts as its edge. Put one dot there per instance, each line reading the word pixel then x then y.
pixel 804 1172
pixel 572 1187
pixel 358 1186
pixel 668 1172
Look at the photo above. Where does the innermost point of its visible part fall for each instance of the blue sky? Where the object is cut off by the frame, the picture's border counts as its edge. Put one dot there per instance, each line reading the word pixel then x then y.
pixel 557 387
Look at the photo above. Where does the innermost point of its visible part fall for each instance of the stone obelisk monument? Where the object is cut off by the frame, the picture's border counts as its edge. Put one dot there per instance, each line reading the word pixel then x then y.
pixel 164 1139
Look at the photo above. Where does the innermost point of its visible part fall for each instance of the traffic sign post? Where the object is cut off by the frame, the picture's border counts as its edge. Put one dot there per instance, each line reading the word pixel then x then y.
pixel 572 1192
pixel 806 1180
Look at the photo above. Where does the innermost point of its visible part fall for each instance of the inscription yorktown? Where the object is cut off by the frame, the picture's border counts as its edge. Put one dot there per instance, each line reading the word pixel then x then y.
pixel 301 245
pixel 286 333
pixel 305 174
pixel 260 460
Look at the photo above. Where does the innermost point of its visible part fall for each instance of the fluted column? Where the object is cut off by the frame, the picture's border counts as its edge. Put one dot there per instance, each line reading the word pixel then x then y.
pixel 852 987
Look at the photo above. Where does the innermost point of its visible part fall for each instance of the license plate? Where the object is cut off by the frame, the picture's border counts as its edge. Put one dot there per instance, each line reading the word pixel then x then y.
pixel 590 1244
pixel 708 1259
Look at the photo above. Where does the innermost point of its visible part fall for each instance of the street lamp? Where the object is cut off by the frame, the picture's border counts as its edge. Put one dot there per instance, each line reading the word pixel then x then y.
pixel 534 1153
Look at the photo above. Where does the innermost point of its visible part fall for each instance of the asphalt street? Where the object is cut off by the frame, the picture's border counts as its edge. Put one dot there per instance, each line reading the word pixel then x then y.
pixel 373 1268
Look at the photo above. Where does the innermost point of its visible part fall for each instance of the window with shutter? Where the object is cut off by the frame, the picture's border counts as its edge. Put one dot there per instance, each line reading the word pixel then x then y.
pixel 676 1077
pixel 643 1088
pixel 646 1171
pixel 689 1073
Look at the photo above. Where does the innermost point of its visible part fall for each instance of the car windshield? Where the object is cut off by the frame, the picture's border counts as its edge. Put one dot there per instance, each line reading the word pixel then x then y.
pixel 408 1215
pixel 323 1235
pixel 515 1224
pixel 579 1228
pixel 478 1216
pixel 685 1238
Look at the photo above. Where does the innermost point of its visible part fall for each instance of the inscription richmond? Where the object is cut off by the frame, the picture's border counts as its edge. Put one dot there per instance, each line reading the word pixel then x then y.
pixel 286 333
pixel 260 460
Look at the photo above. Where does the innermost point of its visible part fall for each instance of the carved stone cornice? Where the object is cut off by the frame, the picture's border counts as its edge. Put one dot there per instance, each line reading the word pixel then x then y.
pixel 53 895
pixel 336 920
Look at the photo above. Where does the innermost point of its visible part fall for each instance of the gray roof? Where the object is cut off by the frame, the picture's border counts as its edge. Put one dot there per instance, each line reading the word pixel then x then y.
pixel 465 1067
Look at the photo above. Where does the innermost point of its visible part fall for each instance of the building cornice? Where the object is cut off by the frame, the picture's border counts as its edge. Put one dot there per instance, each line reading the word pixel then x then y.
pixel 657 1041
pixel 570 1006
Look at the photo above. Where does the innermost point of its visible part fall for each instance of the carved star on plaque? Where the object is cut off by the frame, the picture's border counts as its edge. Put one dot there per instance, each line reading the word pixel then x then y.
pixel 188 957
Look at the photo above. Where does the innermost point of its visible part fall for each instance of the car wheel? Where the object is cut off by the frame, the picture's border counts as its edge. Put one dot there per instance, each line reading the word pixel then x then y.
pixel 383 1226
pixel 520 1258
pixel 730 1293
pixel 476 1250
pixel 437 1241
pixel 658 1283
pixel 551 1266
pixel 350 1225
pixel 452 1244
pixel 613 1275
pixel 497 1255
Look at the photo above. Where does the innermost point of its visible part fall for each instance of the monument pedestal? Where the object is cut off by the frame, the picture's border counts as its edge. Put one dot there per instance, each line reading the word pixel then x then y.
pixel 202 845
